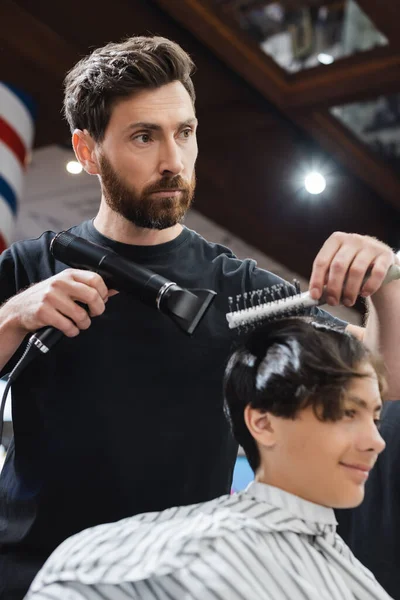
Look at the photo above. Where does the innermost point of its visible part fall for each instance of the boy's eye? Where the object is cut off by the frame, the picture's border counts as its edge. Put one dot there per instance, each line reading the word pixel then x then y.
pixel 349 413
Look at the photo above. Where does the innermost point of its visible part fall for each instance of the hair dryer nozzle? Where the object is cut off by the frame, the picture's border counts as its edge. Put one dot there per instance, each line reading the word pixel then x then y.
pixel 186 307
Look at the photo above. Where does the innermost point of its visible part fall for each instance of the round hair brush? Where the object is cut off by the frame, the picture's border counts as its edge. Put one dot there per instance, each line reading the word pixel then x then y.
pixel 279 301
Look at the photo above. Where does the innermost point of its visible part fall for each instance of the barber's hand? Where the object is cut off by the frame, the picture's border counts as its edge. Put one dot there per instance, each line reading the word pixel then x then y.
pixel 54 302
pixel 343 262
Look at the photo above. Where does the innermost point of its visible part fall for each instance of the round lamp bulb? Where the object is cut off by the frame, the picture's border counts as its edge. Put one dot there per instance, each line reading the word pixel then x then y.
pixel 325 59
pixel 74 167
pixel 315 183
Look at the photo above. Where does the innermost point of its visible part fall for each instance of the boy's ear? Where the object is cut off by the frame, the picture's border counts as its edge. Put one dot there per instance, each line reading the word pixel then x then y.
pixel 261 426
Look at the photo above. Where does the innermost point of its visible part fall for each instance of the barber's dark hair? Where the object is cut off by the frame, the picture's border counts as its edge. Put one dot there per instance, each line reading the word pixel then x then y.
pixel 287 365
pixel 118 70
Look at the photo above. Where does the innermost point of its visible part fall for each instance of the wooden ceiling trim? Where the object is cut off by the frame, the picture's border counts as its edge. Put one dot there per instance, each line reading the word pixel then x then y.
pixel 41 45
pixel 366 75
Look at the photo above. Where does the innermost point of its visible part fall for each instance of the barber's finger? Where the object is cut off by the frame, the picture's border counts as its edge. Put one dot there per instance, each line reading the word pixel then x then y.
pixel 62 312
pixel 378 273
pixel 90 296
pixel 321 265
pixel 359 269
pixel 338 273
pixel 64 324
pixel 96 281
pixel 91 279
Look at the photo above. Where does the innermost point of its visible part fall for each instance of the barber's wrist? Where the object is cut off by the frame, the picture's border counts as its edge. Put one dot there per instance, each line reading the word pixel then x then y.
pixel 10 321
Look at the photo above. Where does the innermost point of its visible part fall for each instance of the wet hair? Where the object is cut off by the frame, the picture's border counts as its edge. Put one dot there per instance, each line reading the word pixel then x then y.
pixel 287 365
pixel 118 70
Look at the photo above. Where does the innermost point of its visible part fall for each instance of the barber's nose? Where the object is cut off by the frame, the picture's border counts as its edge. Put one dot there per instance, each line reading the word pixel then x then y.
pixel 170 158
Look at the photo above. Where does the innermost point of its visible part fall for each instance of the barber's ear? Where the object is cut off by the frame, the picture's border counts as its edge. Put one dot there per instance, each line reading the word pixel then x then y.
pixel 84 148
pixel 261 426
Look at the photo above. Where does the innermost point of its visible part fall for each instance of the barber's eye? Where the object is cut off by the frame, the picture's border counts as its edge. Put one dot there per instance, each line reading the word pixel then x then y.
pixel 378 423
pixel 142 137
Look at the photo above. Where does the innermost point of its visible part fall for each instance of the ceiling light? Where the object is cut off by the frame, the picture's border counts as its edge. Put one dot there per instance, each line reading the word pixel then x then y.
pixel 315 183
pixel 325 59
pixel 74 167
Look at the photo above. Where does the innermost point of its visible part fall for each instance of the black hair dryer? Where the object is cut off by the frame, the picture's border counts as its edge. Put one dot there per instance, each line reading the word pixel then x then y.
pixel 185 307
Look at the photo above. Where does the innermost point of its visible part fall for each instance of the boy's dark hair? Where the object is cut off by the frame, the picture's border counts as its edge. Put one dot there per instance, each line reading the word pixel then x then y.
pixel 118 70
pixel 287 365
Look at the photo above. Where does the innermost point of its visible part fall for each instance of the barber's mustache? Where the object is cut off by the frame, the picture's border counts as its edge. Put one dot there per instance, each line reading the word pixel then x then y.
pixel 168 183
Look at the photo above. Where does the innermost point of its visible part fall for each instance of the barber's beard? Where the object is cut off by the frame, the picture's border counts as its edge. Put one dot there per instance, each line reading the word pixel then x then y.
pixel 141 209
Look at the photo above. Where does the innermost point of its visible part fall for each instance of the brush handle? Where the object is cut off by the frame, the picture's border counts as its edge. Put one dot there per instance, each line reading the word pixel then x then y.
pixel 392 274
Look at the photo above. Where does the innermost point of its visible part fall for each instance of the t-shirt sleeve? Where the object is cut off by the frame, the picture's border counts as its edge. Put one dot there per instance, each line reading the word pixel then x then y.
pixel 7 276
pixel 8 289
pixel 21 265
pixel 259 279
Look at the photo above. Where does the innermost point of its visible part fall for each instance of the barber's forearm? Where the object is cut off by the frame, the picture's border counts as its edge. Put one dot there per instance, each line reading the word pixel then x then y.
pixel 382 332
pixel 11 335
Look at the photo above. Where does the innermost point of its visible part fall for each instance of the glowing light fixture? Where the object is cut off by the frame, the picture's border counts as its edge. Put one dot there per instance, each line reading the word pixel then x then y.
pixel 74 167
pixel 315 183
pixel 325 59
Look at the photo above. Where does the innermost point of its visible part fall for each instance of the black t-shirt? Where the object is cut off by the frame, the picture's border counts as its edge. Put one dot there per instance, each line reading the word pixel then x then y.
pixel 372 530
pixel 128 416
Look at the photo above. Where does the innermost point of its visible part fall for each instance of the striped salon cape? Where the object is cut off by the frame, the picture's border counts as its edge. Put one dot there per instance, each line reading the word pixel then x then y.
pixel 260 544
